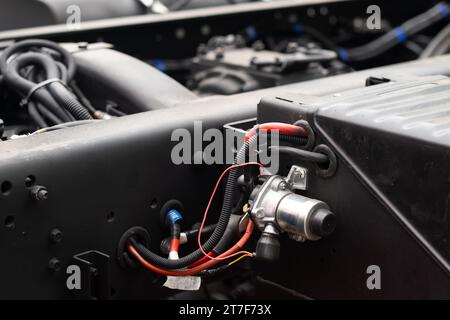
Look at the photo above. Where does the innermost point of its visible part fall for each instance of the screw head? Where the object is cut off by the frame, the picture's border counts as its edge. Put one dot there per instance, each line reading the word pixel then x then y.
pixel 259 213
pixel 56 235
pixel 54 264
pixel 39 193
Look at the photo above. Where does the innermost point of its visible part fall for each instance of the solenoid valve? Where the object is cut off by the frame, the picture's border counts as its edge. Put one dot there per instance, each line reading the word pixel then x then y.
pixel 276 208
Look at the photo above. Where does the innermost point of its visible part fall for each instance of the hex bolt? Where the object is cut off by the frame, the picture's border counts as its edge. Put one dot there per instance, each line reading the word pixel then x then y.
pixel 39 193
pixel 56 235
pixel 28 181
pixel 259 213
pixel 83 45
pixel 302 173
pixel 54 264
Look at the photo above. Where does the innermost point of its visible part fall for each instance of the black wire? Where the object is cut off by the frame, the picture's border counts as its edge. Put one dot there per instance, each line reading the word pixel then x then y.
pixel 50 116
pixel 396 35
pixel 114 111
pixel 219 231
pixel 35 116
pixel 190 234
pixel 80 95
pixel 302 154
pixel 438 45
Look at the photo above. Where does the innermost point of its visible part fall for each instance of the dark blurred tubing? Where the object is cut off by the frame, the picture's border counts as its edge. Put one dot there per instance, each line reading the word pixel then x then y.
pixel 134 85
pixel 440 44
pixel 397 35
pixel 93 9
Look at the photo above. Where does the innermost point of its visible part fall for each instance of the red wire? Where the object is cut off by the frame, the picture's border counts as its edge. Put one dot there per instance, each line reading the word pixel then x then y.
pixel 220 257
pixel 202 260
pixel 283 128
pixel 198 266
pixel 174 245
pixel 197 269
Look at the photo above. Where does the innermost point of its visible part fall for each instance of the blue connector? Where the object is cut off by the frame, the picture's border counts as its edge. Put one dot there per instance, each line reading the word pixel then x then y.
pixel 400 34
pixel 298 28
pixel 173 216
pixel 343 54
pixel 251 32
pixel 160 65
pixel 443 8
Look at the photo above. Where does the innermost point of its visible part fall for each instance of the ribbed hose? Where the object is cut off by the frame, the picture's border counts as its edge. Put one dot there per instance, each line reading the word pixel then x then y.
pixel 68 101
pixel 218 233
pixel 25 45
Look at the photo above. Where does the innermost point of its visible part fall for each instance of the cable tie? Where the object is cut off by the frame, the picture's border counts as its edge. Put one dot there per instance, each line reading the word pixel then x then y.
pixel 42 84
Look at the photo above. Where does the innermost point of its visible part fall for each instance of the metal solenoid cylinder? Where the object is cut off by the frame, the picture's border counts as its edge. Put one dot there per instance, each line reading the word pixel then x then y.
pixel 276 208
pixel 304 218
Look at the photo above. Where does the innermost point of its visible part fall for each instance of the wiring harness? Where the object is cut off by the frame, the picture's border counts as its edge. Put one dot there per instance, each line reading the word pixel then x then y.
pixel 397 35
pixel 208 253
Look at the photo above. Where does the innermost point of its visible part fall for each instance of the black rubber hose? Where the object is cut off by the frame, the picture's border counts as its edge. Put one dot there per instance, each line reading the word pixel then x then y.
pixel 65 98
pixel 25 45
pixel 58 91
pixel 54 101
pixel 77 91
pixel 397 35
pixel 48 115
pixel 302 154
pixel 224 218
pixel 175 230
pixel 190 234
pixel 33 75
pixel 440 44
pixel 35 116
pixel 23 86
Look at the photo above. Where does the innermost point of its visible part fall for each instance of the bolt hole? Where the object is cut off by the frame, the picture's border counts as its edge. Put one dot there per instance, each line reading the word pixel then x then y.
pixel 154 204
pixel 10 222
pixel 6 187
pixel 30 181
pixel 110 216
pixel 333 250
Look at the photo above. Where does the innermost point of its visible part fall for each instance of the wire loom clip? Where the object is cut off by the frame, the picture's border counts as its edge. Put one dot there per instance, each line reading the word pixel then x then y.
pixel 38 86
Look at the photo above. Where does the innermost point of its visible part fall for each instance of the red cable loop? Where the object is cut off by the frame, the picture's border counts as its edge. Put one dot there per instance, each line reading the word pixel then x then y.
pixel 283 128
pixel 220 257
pixel 197 269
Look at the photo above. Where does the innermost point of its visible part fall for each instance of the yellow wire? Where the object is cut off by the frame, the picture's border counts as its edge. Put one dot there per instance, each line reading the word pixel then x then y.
pixel 245 210
pixel 241 257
